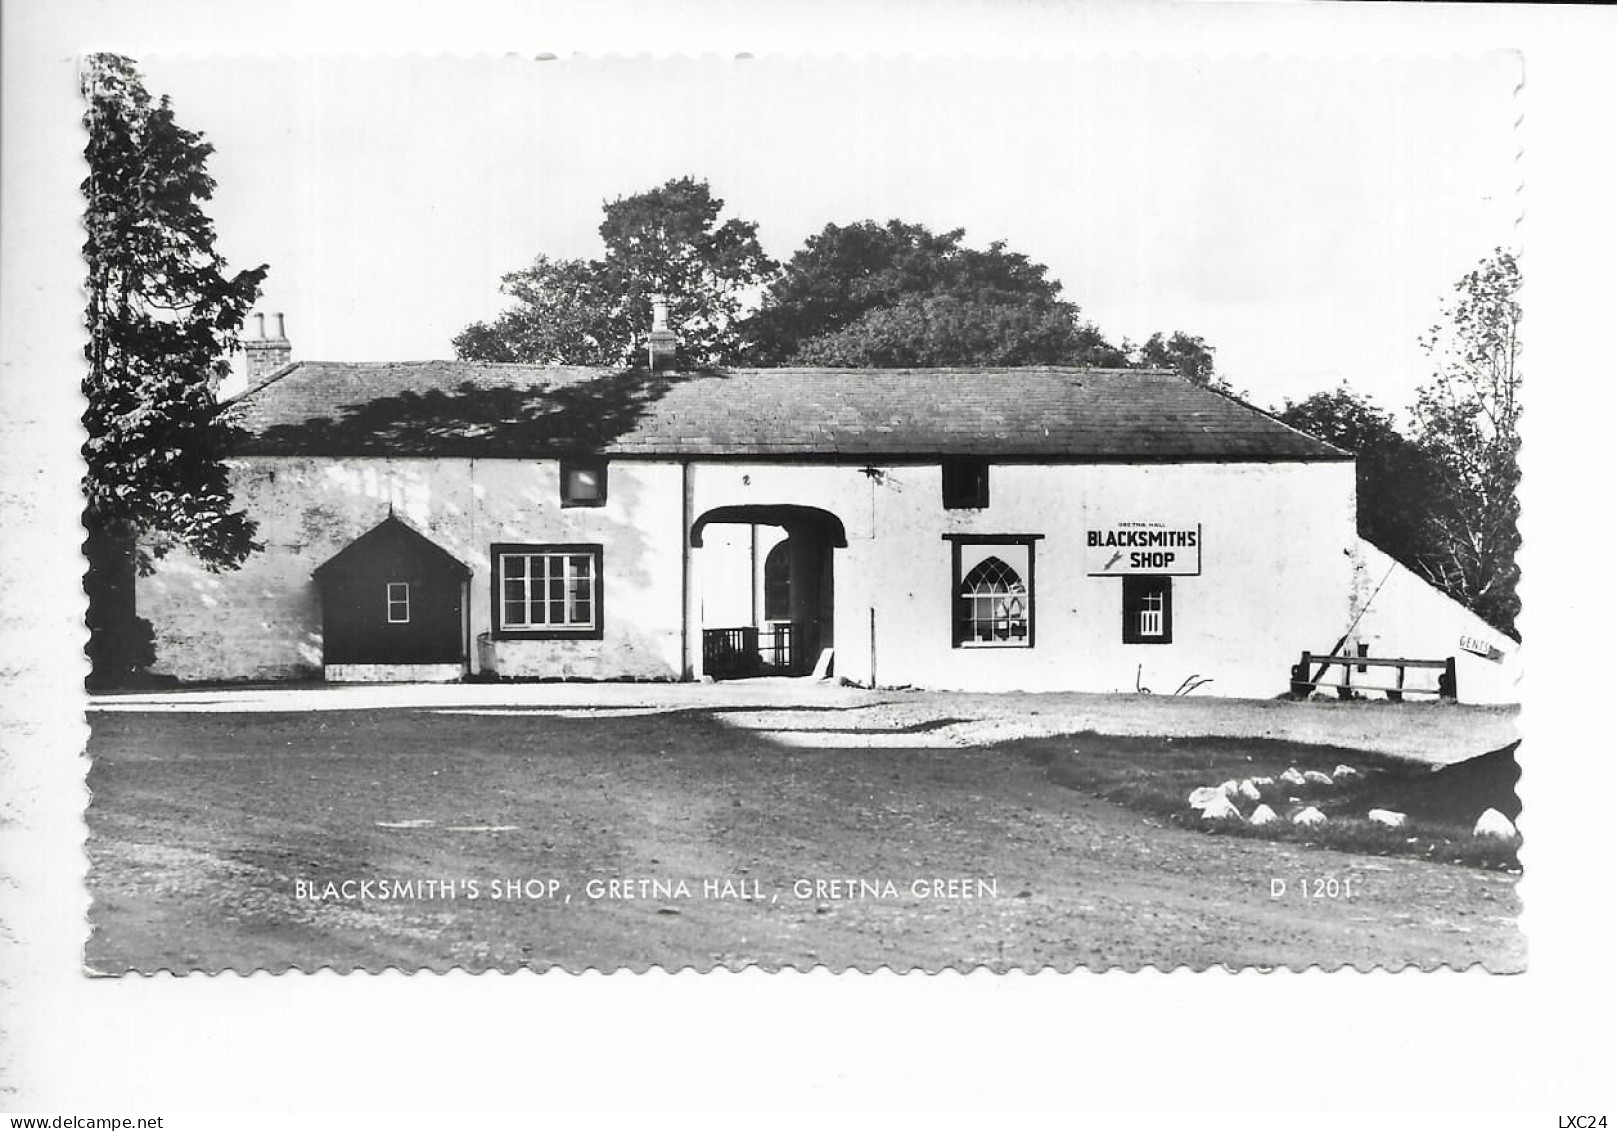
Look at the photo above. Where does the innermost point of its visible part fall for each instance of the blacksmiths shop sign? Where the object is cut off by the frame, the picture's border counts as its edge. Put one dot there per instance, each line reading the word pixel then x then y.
pixel 1143 547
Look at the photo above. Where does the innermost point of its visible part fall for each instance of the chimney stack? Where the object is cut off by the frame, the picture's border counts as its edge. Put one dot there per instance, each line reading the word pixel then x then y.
pixel 662 344
pixel 266 355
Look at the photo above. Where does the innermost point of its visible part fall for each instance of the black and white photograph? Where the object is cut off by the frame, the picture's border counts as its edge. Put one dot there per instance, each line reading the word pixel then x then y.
pixel 599 544
pixel 770 515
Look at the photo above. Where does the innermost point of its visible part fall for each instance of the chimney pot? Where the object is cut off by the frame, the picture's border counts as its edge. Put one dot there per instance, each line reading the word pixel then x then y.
pixel 663 343
pixel 267 355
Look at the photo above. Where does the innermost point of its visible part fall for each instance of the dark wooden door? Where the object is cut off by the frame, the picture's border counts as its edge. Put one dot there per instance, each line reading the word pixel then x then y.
pixel 399 616
pixel 392 597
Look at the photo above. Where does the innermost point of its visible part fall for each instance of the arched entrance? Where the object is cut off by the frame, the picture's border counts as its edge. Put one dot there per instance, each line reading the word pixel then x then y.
pixel 768 603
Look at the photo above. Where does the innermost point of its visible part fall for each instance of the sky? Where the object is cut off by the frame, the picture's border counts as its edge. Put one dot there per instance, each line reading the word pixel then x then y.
pixel 1304 216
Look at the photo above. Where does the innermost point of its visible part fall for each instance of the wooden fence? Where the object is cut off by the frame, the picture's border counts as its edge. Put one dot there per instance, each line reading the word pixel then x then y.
pixel 1309 675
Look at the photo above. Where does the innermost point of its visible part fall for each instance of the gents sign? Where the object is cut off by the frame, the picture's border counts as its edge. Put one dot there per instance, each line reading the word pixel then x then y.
pixel 1481 648
pixel 1143 547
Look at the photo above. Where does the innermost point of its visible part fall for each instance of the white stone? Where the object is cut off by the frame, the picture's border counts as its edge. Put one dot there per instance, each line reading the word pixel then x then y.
pixel 1205 796
pixel 1387 817
pixel 1231 788
pixel 1344 771
pixel 1221 810
pixel 1260 782
pixel 1314 777
pixel 1249 790
pixel 1309 818
pixel 1494 824
pixel 1263 815
pixel 1292 776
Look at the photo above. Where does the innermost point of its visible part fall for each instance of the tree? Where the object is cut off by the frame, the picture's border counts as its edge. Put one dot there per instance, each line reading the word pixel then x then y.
pixel 899 294
pixel 1466 421
pixel 946 330
pixel 598 311
pixel 1189 356
pixel 163 316
pixel 1398 486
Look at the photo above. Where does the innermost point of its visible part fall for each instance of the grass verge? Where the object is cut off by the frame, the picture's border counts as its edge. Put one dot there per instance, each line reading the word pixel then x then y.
pixel 1156 776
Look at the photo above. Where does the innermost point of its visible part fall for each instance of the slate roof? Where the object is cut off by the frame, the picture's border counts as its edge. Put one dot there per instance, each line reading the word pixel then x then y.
pixel 456 408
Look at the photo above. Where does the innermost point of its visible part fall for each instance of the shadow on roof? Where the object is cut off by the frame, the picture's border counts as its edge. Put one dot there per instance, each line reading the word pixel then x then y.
pixel 480 420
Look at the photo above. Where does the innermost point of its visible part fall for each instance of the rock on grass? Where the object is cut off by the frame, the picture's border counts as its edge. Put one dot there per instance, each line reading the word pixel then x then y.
pixel 1309 818
pixel 1494 824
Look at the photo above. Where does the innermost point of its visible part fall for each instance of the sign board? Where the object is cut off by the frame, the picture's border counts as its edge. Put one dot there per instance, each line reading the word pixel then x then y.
pixel 1123 548
pixel 1481 648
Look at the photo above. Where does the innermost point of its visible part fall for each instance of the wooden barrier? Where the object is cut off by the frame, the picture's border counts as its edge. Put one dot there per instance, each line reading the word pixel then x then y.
pixel 1302 683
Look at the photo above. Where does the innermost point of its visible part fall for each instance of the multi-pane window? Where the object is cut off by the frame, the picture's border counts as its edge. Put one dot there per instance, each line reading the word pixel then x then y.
pixel 583 483
pixel 993 590
pixel 1147 609
pixel 548 590
pixel 994 604
pixel 398 602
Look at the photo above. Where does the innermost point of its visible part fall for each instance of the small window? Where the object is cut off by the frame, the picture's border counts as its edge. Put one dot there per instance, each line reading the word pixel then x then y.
pixel 965 484
pixel 583 483
pixel 1147 610
pixel 398 602
pixel 993 590
pixel 547 591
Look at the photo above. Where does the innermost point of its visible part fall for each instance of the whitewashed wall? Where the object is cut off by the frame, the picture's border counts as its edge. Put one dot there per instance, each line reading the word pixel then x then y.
pixel 1277 569
pixel 1405 616
pixel 263 621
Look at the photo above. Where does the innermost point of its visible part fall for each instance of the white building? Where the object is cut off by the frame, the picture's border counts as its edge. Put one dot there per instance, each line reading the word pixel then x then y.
pixel 985 529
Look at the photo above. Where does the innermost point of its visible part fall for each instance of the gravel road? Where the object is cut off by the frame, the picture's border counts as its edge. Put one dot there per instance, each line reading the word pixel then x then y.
pixel 806 831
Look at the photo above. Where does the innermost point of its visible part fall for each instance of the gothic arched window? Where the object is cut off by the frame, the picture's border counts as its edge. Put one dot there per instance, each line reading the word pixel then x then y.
pixel 993 604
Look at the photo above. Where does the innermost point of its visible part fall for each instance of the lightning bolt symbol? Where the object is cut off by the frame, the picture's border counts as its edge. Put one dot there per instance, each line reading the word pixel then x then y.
pixel 1114 560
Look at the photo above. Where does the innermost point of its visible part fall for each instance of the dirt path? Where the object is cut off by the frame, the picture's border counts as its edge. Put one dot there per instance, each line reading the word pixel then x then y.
pixel 1430 731
pixel 212 835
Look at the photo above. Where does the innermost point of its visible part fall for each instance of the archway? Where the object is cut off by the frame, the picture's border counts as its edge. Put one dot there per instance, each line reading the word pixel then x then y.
pixel 767 602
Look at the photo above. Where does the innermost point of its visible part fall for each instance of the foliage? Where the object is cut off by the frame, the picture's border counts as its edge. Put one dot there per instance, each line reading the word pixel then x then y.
pixel 598 312
pixel 1466 421
pixel 1185 354
pixel 163 315
pixel 1398 486
pixel 846 272
pixel 898 294
pixel 949 330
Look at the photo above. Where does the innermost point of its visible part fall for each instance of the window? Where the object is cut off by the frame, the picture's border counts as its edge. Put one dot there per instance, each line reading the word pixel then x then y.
pixel 994 604
pixel 778 582
pixel 993 590
pixel 583 483
pixel 1147 609
pixel 547 592
pixel 965 483
pixel 398 602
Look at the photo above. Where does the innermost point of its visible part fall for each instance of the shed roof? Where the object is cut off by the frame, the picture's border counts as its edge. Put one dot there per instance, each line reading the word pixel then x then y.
pixel 391 533
pixel 460 408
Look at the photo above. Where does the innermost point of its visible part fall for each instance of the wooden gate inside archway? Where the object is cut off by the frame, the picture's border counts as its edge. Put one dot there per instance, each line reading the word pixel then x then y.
pixel 787 626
